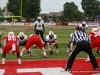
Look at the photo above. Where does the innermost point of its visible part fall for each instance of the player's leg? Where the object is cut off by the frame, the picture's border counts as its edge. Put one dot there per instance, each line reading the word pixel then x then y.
pixel 40 45
pixel 6 49
pixel 18 54
pixel 57 46
pixel 27 46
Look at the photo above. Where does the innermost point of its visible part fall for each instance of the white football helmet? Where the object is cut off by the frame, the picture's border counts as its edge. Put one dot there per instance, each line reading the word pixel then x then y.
pixel 39 17
pixel 51 33
pixel 21 34
pixel 11 33
pixel 94 29
pixel 83 22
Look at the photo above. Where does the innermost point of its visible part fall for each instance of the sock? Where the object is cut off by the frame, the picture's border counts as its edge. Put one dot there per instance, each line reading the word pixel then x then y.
pixel 44 53
pixel 1 50
pixel 21 54
pixel 19 61
pixel 3 61
pixel 88 57
pixel 57 49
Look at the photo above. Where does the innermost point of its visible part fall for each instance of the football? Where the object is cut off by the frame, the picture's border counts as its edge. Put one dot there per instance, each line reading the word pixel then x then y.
pixel 51 51
pixel 98 51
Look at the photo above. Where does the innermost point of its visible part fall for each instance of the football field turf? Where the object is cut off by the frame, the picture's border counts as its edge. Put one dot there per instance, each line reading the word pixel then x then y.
pixel 37 64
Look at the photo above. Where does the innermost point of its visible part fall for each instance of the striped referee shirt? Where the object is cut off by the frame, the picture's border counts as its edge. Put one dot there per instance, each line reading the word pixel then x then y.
pixel 79 36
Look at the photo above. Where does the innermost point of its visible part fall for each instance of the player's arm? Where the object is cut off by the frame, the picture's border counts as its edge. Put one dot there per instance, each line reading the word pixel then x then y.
pixel 90 38
pixel 48 45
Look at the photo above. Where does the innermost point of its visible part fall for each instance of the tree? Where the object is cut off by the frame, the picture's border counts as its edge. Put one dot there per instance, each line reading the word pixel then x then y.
pixel 45 18
pixel 54 18
pixel 91 7
pixel 30 7
pixel 0 10
pixel 69 10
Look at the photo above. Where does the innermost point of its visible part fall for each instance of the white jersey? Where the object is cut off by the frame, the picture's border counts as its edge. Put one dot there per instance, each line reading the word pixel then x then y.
pixel 51 40
pixel 84 28
pixel 24 39
pixel 39 25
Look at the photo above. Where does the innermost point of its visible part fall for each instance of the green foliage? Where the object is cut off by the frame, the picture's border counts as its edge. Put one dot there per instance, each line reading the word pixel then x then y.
pixel 54 18
pixel 30 7
pixel 70 11
pixel 91 7
pixel 45 18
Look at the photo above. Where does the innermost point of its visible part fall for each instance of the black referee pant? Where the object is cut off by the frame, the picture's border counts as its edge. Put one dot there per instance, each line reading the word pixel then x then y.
pixel 41 34
pixel 82 46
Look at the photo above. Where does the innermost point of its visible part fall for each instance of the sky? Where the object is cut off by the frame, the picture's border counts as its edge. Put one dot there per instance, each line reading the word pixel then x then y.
pixel 51 5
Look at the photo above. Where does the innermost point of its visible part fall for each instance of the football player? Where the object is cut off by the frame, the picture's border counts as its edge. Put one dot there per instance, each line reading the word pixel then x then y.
pixel 94 36
pixel 11 43
pixel 51 40
pixel 34 39
pixel 84 26
pixel 22 39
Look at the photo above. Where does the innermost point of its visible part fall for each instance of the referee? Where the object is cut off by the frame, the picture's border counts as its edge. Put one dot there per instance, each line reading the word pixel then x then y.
pixel 82 44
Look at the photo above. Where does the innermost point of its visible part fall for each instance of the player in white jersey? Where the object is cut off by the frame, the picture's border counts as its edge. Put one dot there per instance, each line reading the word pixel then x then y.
pixel 39 27
pixel 84 26
pixel 22 39
pixel 51 40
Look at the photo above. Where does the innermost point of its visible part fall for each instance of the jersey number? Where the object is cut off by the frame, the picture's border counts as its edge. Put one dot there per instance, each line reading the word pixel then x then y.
pixel 11 38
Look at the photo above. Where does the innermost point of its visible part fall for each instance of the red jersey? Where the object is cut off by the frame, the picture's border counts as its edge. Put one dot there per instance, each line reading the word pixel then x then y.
pixel 94 35
pixel 11 39
pixel 34 39
pixel 10 43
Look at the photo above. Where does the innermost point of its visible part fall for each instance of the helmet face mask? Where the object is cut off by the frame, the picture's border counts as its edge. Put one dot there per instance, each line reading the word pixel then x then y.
pixel 51 36
pixel 83 25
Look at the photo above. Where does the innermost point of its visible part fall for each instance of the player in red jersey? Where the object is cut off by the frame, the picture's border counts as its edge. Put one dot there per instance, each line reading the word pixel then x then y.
pixel 10 43
pixel 34 39
pixel 94 36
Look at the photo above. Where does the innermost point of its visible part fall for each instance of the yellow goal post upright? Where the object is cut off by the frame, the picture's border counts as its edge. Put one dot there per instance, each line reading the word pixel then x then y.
pixel 20 16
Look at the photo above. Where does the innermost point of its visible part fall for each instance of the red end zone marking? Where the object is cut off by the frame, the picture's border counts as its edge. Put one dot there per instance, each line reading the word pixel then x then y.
pixel 79 66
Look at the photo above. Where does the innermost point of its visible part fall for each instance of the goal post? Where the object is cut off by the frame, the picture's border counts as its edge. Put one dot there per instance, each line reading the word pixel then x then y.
pixel 19 16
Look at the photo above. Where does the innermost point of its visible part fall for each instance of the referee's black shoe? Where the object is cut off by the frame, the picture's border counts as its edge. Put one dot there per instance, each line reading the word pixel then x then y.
pixel 67 70
pixel 96 69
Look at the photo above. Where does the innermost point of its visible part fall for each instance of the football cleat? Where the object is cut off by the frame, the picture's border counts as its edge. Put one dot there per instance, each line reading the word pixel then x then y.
pixel 87 60
pixel 45 56
pixel 57 51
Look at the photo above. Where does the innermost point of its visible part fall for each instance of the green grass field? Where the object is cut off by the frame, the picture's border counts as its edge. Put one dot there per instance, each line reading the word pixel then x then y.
pixel 62 33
